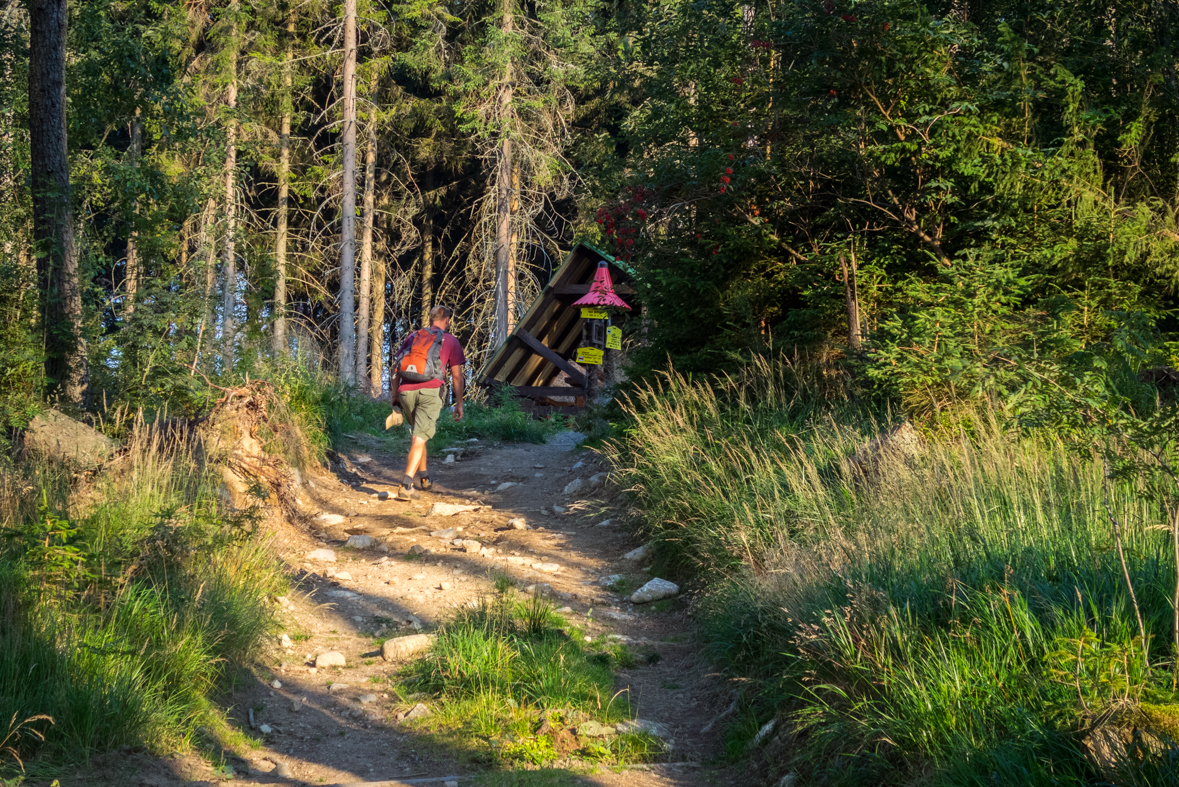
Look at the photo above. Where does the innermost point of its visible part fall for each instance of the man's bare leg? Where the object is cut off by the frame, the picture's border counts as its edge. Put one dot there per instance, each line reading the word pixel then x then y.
pixel 416 459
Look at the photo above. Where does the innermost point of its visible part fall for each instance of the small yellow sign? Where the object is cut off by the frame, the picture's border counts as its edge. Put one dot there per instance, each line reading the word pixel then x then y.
pixel 592 314
pixel 613 338
pixel 590 355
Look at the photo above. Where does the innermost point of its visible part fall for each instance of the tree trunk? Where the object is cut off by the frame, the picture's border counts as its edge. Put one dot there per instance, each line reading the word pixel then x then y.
pixel 66 371
pixel 208 245
pixel 131 272
pixel 229 294
pixel 377 329
pixel 347 350
pixel 503 228
pixel 851 298
pixel 427 244
pixel 366 240
pixel 513 244
pixel 279 345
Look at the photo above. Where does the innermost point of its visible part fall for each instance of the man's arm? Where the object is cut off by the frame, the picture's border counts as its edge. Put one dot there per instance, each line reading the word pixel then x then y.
pixel 456 379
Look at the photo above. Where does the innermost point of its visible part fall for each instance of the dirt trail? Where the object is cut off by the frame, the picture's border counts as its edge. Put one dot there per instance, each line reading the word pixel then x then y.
pixel 327 733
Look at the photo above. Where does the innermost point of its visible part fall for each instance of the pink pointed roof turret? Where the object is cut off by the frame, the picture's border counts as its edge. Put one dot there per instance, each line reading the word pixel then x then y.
pixel 601 291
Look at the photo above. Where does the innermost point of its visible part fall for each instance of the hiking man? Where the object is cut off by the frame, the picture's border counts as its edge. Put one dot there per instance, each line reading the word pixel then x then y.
pixel 418 371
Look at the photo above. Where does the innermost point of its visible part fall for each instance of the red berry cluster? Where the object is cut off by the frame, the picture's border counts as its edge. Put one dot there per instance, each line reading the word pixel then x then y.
pixel 759 44
pixel 621 220
pixel 726 178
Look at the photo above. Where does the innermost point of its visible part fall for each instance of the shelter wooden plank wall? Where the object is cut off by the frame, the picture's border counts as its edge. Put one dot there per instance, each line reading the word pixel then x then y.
pixel 537 357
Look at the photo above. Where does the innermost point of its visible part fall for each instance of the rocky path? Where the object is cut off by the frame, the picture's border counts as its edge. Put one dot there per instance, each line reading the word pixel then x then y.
pixel 369 568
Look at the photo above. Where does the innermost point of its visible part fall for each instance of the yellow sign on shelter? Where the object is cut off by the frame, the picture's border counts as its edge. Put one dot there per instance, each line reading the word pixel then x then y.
pixel 589 355
pixel 613 338
pixel 592 314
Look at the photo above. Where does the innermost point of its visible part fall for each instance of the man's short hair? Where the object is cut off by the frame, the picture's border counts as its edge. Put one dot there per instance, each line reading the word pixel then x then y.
pixel 440 313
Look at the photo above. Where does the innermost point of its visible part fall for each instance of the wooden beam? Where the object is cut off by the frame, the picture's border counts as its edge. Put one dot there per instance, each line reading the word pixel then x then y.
pixel 582 289
pixel 550 356
pixel 537 391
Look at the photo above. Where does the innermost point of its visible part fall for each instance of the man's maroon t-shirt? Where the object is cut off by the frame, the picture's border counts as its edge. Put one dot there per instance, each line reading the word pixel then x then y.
pixel 451 354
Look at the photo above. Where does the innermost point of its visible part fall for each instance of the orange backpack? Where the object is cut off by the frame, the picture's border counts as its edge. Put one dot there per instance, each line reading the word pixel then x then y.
pixel 421 360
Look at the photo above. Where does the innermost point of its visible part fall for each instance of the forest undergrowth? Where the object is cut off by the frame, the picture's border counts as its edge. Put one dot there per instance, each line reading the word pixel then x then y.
pixel 952 610
pixel 132 595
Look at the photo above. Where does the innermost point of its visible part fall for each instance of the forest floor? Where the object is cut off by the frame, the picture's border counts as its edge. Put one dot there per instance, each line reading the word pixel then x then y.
pixel 342 726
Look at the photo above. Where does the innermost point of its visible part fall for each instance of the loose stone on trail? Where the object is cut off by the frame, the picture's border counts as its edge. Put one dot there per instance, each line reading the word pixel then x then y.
pixel 359 542
pixel 574 486
pixel 331 658
pixel 637 554
pixel 518 523
pixel 330 519
pixel 322 555
pixel 450 509
pixel 449 532
pixel 403 647
pixel 655 590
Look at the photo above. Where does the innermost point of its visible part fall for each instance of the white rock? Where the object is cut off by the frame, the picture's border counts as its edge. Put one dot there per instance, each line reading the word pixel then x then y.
pixel 472 546
pixel 417 712
pixel 538 475
pixel 655 728
pixel 610 580
pixel 574 486
pixel 577 466
pixel 322 555
pixel 449 532
pixel 655 590
pixel 541 589
pixel 515 561
pixel 331 658
pixel 265 729
pixel 331 519
pixel 450 509
pixel 487 552
pixel 276 684
pixel 518 523
pixel 283 771
pixel 336 688
pixel 505 486
pixel 605 523
pixel 558 509
pixel 764 732
pixel 473 440
pixel 637 554
pixel 344 575
pixel 365 699
pixel 597 479
pixel 286 641
pixel 614 614
pixel 342 594
pixel 403 647
pixel 548 568
pixel 449 460
pixel 359 542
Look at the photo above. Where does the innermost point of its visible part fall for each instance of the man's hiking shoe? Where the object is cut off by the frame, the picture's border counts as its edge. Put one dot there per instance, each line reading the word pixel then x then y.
pixel 404 493
pixel 427 484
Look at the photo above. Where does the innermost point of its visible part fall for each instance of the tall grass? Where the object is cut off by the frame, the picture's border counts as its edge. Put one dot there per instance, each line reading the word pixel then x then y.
pixel 499 669
pixel 124 605
pixel 955 616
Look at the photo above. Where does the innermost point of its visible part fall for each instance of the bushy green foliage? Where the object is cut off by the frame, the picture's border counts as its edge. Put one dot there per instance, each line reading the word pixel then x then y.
pixel 918 142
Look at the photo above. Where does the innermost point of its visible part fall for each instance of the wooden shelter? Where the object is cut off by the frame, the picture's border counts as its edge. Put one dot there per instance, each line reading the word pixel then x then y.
pixel 536 358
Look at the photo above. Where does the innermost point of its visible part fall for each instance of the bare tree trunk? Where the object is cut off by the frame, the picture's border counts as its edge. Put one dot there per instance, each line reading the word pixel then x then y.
pixel 503 228
pixel 208 245
pixel 427 244
pixel 53 213
pixel 347 350
pixel 229 293
pixel 377 329
pixel 851 298
pixel 513 245
pixel 131 271
pixel 279 344
pixel 366 240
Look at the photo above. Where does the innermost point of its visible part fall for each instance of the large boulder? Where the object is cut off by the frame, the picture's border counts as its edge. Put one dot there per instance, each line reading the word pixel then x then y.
pixel 54 435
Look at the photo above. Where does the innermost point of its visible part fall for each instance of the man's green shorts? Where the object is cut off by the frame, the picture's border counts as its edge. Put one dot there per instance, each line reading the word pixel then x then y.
pixel 422 408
